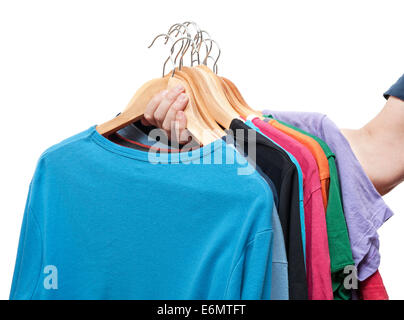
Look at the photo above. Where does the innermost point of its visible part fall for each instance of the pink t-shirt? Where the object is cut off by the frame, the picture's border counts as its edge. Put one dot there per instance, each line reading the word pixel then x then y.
pixel 317 253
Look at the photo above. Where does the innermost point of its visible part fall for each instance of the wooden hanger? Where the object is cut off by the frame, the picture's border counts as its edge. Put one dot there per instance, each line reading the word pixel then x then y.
pixel 198 84
pixel 200 127
pixel 212 100
pixel 228 88
pixel 200 93
pixel 196 125
pixel 218 105
pixel 137 107
pixel 235 94
pixel 237 105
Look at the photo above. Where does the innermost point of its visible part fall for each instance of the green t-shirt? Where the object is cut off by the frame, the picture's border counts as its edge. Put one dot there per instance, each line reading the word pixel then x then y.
pixel 337 232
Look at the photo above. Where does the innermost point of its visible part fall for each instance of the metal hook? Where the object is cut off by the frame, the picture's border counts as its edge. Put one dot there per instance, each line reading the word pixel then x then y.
pixel 184 51
pixel 194 24
pixel 205 61
pixel 186 41
pixel 168 37
pixel 182 46
pixel 179 52
pixel 199 42
pixel 196 39
pixel 177 27
pixel 215 67
pixel 202 40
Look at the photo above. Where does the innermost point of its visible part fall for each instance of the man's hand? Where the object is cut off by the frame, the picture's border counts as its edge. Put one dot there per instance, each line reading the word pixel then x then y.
pixel 166 111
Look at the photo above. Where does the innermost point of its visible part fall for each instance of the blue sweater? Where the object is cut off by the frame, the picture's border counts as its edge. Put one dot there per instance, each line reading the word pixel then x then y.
pixel 194 227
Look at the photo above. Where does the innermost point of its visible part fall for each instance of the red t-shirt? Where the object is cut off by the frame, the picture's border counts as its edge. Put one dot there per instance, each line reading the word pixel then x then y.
pixel 373 288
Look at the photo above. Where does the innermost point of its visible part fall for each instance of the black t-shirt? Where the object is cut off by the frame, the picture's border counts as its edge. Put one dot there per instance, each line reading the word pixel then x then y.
pixel 276 164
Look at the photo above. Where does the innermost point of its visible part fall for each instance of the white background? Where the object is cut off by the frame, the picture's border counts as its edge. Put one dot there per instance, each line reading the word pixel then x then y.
pixel 67 65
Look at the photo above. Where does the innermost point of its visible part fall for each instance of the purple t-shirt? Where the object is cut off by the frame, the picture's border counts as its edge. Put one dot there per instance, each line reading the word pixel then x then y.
pixel 365 209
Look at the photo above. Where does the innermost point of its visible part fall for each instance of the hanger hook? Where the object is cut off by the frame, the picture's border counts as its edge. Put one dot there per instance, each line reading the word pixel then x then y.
pixel 202 32
pixel 184 51
pixel 196 40
pixel 189 40
pixel 194 24
pixel 215 67
pixel 177 27
pixel 168 37
pixel 205 61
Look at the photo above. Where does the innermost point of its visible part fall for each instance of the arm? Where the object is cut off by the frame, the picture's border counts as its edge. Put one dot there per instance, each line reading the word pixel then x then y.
pixel 379 146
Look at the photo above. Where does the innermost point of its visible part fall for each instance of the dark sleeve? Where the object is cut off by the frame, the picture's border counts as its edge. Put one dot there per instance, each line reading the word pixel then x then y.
pixel 396 90
pixel 289 214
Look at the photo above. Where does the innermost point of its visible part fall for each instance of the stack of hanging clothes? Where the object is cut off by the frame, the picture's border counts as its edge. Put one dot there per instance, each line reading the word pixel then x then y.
pixel 292 215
